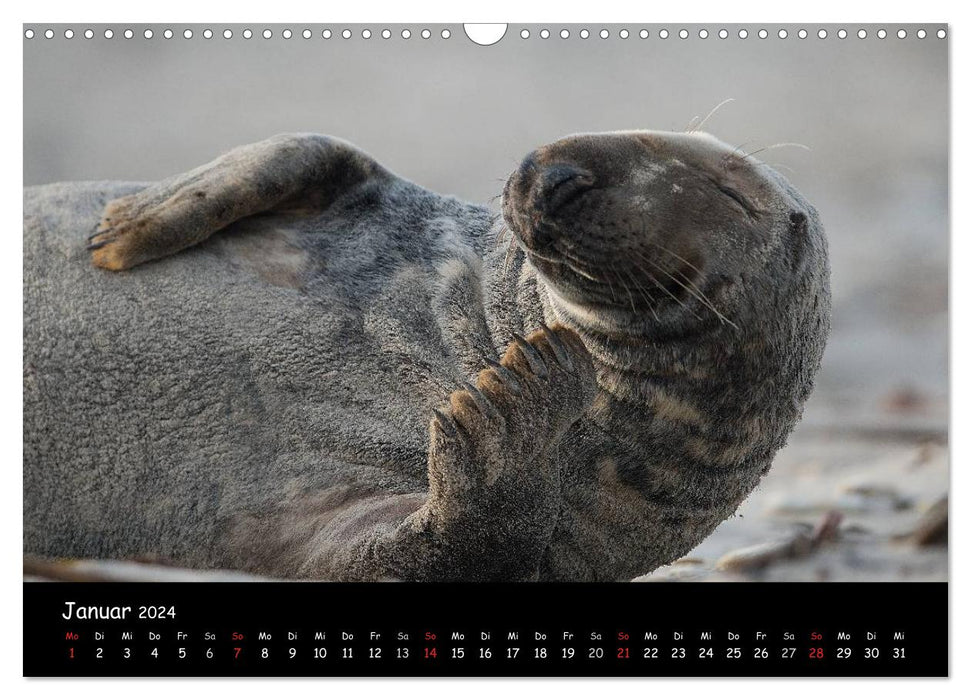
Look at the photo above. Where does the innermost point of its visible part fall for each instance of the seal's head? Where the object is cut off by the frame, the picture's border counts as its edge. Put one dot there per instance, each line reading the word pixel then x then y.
pixel 698 280
pixel 658 232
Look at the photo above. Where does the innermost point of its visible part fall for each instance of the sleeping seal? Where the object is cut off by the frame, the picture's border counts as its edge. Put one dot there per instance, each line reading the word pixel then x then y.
pixel 345 376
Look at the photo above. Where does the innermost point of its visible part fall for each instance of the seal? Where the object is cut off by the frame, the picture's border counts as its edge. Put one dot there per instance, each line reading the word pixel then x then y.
pixel 345 376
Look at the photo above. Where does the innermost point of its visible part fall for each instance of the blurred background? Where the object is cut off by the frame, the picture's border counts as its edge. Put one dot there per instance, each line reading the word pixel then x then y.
pixel 857 494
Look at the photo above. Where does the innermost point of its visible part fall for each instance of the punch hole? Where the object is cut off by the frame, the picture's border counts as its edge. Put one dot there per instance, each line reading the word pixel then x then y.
pixel 426 34
pixel 228 34
pixel 722 33
pixel 921 34
pixel 783 34
pixel 604 33
pixel 68 33
pixel 683 34
pixel 803 34
pixel 584 33
pixel 644 34
pixel 29 34
pixel 247 33
pixel 882 34
pixel 544 34
pixel 763 34
pixel 207 34
pixel 129 33
pixel 663 33
pixel 287 33
pixel 148 34
pixel 861 33
pixel 941 34
pixel 327 34
pixel 485 34
pixel 703 34
pixel 743 33
pixel 109 34
pixel 187 34
pixel 346 33
pixel 386 34
pixel 841 33
pixel 446 33
pixel 306 34
pixel 168 34
pixel 49 34
pixel 624 33
pixel 405 33
pixel 524 34
pixel 564 33
pixel 902 34
pixel 366 34
pixel 822 34
pixel 267 34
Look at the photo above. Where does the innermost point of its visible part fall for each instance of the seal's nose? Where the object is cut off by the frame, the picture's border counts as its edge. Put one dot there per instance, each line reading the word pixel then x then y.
pixel 559 184
pixel 538 195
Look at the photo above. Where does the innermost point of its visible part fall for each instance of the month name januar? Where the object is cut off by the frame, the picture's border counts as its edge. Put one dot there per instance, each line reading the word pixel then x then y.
pixel 95 612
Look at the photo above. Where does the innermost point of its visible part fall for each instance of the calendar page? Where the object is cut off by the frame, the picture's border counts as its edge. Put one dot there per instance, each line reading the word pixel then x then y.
pixel 485 350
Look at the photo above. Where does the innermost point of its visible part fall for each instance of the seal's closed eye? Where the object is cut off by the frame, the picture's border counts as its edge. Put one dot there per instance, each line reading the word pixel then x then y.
pixel 738 198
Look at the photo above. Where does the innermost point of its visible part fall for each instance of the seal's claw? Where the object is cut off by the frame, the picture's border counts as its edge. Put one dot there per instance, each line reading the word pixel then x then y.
pixel 533 357
pixel 559 350
pixel 448 427
pixel 481 401
pixel 97 244
pixel 506 376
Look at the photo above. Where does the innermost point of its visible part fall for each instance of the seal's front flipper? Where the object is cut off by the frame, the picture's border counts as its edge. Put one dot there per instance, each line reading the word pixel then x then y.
pixel 287 172
pixel 494 467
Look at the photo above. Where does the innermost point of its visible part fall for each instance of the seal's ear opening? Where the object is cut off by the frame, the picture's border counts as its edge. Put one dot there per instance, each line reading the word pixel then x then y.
pixel 798 220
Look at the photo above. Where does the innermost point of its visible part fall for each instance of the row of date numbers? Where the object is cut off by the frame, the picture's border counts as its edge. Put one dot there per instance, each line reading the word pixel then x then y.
pixel 512 653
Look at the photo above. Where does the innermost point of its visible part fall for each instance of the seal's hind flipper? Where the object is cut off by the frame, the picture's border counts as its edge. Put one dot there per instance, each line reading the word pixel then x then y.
pixel 284 173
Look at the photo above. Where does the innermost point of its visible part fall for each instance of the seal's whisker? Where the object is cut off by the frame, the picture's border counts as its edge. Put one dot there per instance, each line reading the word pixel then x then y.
pixel 694 292
pixel 711 113
pixel 667 291
pixel 690 287
pixel 633 307
pixel 583 273
pixel 648 298
pixel 699 295
pixel 777 166
pixel 500 235
pixel 670 252
pixel 738 153
pixel 778 145
pixel 707 301
pixel 579 260
pixel 688 129
pixel 671 294
pixel 613 295
pixel 675 255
